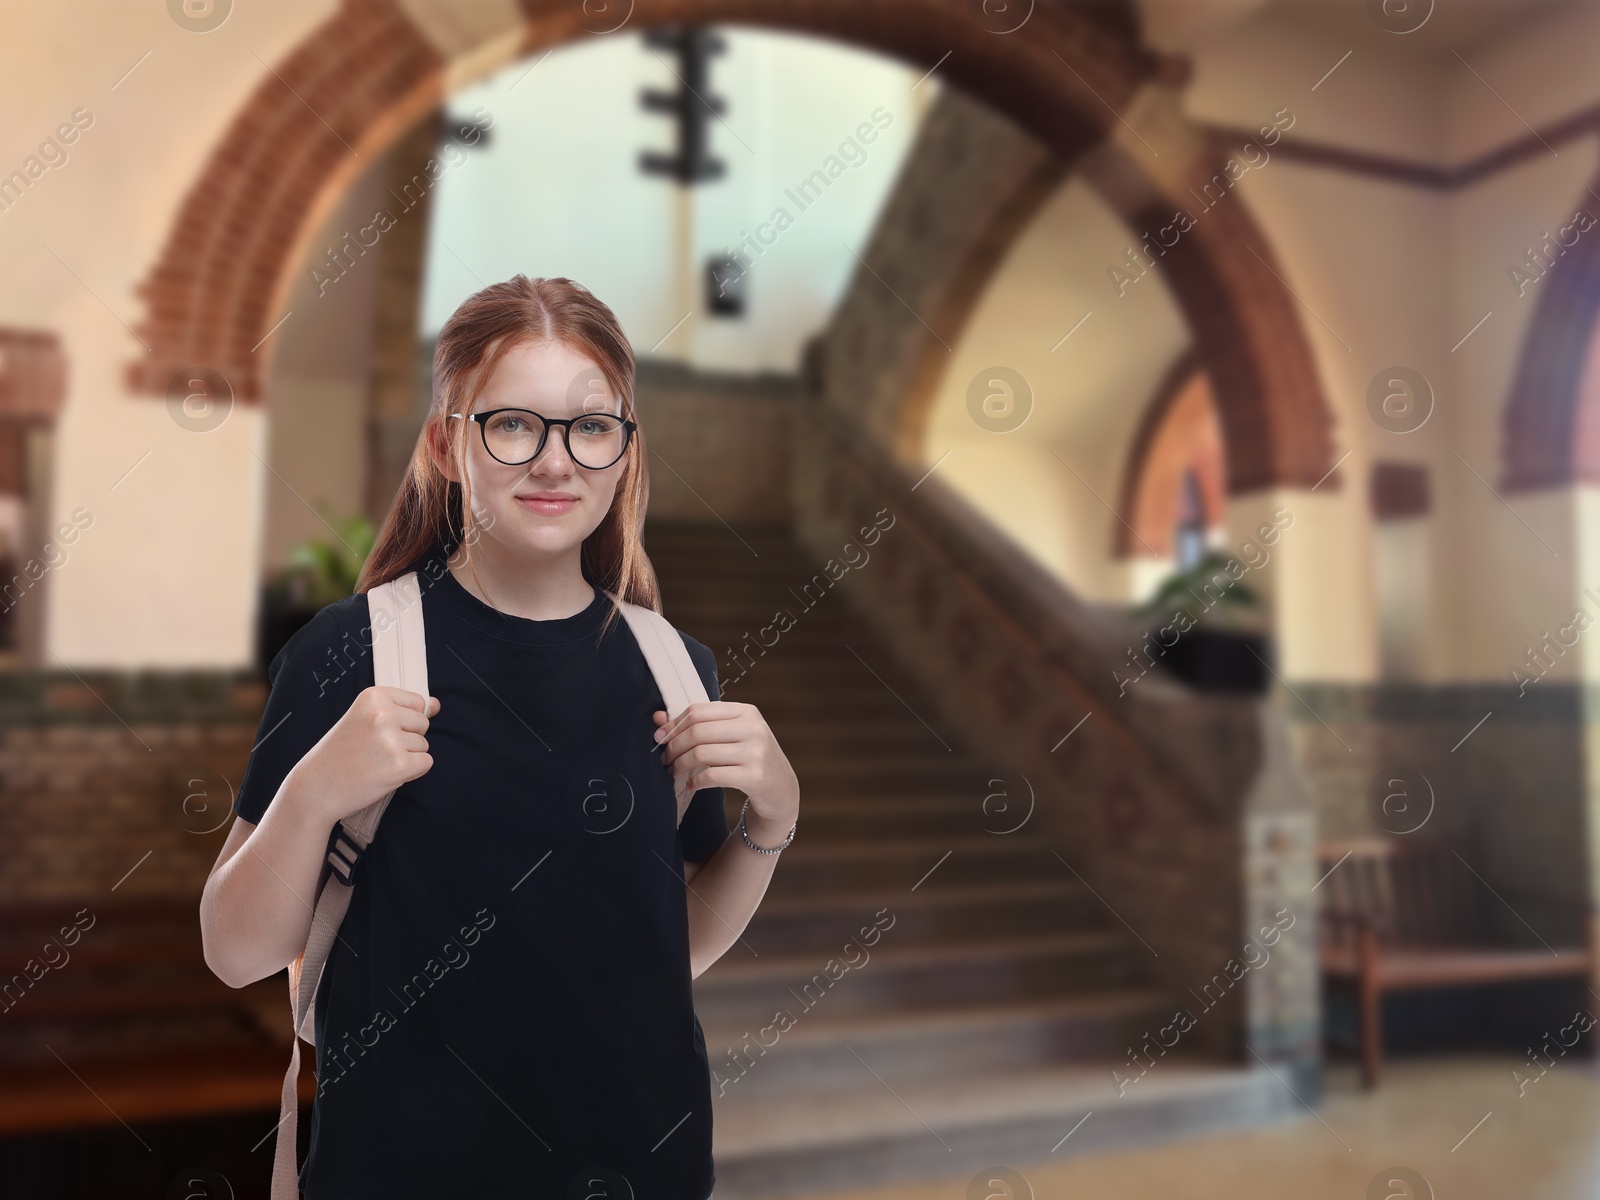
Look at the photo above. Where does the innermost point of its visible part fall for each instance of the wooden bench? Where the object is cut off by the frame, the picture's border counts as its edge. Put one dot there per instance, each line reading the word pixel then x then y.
pixel 1407 913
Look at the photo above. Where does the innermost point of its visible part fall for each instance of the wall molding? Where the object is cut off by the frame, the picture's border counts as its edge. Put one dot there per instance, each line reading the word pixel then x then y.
pixel 1434 177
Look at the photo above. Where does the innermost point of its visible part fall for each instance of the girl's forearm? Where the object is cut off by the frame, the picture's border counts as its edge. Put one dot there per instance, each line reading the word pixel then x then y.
pixel 255 911
pixel 725 892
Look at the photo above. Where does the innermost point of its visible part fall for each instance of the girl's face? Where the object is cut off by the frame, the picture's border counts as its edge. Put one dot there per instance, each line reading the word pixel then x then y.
pixel 545 508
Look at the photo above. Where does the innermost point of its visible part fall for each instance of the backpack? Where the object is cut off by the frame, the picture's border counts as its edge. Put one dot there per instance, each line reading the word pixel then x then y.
pixel 399 659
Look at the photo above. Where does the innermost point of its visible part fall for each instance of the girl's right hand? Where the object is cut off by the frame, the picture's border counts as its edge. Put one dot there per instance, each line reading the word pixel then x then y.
pixel 375 747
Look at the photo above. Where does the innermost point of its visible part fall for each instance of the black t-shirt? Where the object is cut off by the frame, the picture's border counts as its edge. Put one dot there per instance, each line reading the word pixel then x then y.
pixel 507 1009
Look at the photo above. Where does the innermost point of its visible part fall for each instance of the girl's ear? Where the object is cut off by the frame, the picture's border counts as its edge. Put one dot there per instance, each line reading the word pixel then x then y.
pixel 439 450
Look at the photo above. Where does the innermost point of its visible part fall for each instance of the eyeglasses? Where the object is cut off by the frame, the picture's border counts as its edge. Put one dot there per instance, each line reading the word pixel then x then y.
pixel 514 436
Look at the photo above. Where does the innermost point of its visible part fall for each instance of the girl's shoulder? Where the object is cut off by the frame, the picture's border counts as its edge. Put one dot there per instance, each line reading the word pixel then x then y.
pixel 313 681
pixel 335 633
pixel 705 662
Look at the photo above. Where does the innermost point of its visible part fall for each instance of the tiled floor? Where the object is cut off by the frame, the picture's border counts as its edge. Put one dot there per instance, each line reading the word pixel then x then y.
pixel 1459 1121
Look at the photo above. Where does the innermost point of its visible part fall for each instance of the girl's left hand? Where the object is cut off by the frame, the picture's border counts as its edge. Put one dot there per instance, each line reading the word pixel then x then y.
pixel 722 743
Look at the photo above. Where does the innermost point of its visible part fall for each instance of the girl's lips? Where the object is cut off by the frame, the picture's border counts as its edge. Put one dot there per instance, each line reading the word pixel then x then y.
pixel 547 507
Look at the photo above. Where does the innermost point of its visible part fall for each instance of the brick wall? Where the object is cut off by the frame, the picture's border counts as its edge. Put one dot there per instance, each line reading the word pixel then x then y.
pixel 118 789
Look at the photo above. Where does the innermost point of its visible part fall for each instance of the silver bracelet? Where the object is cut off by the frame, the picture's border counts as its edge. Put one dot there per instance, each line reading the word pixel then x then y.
pixel 745 833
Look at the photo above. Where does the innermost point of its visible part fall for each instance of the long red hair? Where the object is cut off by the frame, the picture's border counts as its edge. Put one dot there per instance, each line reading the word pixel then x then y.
pixel 431 509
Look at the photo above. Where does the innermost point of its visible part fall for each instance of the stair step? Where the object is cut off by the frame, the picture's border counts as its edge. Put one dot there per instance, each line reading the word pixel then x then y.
pixel 984 952
pixel 113 1018
pixel 909 977
pixel 903 771
pixel 819 717
pixel 813 1027
pixel 926 897
pixel 819 866
pixel 788 1047
pixel 839 776
pixel 99 996
pixel 780 705
pixel 818 742
pixel 797 1141
pixel 919 847
pixel 93 951
pixel 909 805
pixel 873 819
pixel 140 1088
pixel 962 914
pixel 850 796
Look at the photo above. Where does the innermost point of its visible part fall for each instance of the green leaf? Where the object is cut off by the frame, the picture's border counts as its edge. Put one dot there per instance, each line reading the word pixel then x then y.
pixel 324 569
pixel 1185 586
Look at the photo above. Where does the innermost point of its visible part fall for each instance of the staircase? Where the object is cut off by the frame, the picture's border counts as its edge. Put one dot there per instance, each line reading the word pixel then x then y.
pixel 979 996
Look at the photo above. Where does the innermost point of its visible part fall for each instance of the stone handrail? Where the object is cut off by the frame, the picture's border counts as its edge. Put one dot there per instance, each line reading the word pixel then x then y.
pixel 1197 744
pixel 1183 812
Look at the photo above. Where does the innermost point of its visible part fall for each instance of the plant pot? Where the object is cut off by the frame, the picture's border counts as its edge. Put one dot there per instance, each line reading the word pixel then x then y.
pixel 1219 660
pixel 279 621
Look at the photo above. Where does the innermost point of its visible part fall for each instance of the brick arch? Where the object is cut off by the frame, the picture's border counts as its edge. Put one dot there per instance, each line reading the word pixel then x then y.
pixel 1243 320
pixel 1179 431
pixel 369 72
pixel 1222 273
pixel 1551 427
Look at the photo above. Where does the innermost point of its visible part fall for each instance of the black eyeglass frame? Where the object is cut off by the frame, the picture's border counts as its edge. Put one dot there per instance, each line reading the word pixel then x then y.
pixel 480 419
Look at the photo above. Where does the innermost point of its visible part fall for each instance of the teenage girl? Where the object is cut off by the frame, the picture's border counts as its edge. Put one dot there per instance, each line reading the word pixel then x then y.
pixel 507 1007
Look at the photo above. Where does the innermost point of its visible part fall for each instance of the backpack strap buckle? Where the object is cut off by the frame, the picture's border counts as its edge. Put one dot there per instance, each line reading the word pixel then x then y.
pixel 345 855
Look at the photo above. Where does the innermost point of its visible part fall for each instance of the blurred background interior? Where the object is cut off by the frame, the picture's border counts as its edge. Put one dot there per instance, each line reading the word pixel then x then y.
pixel 1141 457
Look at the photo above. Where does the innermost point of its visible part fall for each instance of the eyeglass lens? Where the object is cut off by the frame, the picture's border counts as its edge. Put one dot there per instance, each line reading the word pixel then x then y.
pixel 595 440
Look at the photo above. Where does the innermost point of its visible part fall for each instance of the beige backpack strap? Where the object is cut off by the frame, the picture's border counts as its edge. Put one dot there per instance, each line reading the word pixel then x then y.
pixel 669 661
pixel 399 659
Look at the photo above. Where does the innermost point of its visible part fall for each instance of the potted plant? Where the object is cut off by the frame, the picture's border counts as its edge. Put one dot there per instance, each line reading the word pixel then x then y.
pixel 1221 644
pixel 319 571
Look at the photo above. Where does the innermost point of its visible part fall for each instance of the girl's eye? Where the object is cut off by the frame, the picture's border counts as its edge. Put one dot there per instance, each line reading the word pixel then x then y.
pixel 593 428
